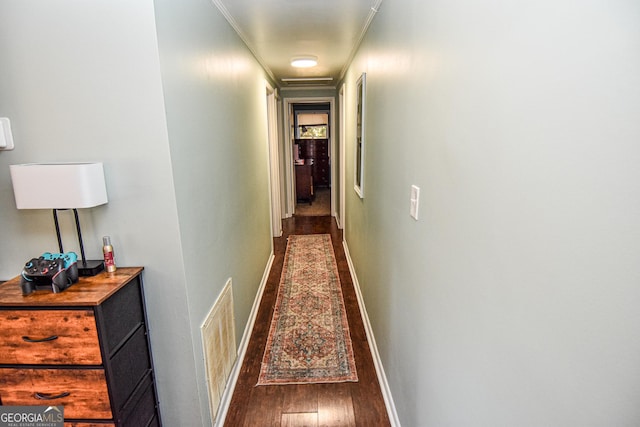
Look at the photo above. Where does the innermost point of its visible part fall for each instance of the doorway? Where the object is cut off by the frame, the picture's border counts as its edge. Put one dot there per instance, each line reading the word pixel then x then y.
pixel 311 159
pixel 310 156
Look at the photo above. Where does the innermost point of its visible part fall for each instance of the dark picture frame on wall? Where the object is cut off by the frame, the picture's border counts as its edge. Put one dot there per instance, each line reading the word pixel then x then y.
pixel 361 85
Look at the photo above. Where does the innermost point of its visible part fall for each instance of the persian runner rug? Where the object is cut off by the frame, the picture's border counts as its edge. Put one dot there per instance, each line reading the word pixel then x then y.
pixel 309 339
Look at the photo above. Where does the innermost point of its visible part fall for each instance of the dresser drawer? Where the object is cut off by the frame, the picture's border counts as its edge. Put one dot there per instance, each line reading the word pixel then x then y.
pixel 56 337
pixel 82 392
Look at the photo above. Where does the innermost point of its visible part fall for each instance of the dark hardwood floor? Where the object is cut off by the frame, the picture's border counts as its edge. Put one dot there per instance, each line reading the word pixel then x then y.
pixel 309 405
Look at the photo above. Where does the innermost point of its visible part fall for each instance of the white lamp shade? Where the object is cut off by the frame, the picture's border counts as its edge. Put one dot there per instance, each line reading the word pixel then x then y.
pixel 58 185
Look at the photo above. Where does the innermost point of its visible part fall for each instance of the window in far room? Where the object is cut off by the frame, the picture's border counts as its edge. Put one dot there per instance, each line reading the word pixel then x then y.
pixel 312 126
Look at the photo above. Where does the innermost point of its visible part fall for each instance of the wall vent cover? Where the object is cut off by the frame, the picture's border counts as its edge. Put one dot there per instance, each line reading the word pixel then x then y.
pixel 219 343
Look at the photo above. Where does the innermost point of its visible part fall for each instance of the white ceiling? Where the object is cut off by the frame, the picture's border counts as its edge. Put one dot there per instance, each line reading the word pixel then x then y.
pixel 277 30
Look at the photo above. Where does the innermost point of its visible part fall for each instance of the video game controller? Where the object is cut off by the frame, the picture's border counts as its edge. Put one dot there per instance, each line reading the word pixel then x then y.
pixel 50 271
pixel 70 263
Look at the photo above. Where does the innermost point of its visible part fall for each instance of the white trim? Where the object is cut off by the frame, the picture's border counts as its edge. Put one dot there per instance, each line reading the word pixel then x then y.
pixel 382 378
pixel 372 13
pixel 361 91
pixel 333 149
pixel 342 142
pixel 225 401
pixel 289 176
pixel 227 15
pixel 297 88
pixel 273 161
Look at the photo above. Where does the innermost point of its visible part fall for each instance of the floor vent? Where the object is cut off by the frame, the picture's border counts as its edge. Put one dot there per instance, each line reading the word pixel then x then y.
pixel 219 343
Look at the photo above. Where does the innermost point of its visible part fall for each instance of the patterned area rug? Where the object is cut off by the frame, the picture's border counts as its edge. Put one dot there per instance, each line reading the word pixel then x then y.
pixel 309 338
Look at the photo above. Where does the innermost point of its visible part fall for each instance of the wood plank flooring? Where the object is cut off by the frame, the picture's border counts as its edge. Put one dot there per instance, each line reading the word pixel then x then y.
pixel 308 405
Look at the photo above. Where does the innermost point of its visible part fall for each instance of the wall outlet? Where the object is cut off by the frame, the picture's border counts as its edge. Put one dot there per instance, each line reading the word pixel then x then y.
pixel 415 201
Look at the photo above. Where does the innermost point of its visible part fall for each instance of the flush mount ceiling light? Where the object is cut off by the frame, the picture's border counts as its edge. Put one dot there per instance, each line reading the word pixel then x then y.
pixel 305 61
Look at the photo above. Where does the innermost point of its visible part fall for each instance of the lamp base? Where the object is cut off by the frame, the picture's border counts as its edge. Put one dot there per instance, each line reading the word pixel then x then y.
pixel 90 267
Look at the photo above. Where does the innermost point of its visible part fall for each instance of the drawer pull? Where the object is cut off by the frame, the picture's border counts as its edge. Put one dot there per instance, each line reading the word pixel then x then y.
pixel 51 338
pixel 49 396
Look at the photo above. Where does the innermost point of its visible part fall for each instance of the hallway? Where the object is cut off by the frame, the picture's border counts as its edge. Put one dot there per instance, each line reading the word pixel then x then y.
pixel 321 205
pixel 339 404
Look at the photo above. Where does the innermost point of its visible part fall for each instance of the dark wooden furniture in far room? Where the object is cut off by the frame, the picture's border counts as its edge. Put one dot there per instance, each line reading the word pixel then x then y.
pixel 316 153
pixel 85 349
pixel 321 169
pixel 304 183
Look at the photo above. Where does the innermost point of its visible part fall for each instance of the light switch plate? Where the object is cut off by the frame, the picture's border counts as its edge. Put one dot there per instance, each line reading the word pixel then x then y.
pixel 415 202
pixel 6 139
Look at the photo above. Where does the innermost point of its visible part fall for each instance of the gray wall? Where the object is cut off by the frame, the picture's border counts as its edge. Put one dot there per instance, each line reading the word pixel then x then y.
pixel 215 101
pixel 513 301
pixel 186 177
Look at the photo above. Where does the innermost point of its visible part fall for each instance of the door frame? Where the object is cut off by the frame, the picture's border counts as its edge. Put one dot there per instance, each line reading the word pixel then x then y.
pixel 288 150
pixel 274 160
pixel 342 117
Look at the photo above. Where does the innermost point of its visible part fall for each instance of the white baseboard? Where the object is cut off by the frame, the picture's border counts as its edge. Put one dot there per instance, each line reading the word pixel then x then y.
pixel 225 401
pixel 382 378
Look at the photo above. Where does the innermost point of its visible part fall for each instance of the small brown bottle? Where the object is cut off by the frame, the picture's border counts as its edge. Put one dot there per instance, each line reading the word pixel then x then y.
pixel 107 249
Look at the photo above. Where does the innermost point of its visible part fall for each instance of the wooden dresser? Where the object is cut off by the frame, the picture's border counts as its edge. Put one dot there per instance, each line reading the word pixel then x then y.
pixel 322 169
pixel 316 150
pixel 304 183
pixel 85 348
